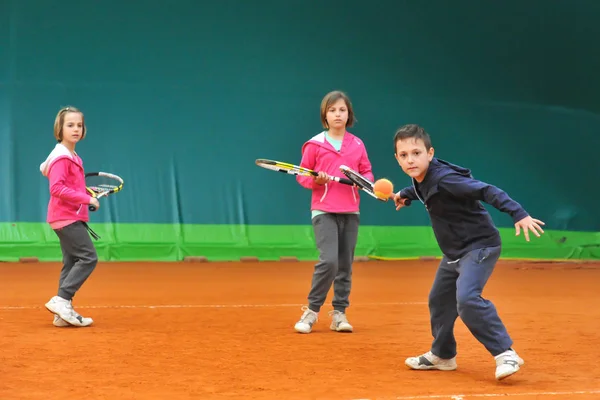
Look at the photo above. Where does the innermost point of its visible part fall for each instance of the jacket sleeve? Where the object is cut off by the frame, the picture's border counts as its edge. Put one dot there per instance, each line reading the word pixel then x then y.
pixel 408 193
pixel 465 187
pixel 57 176
pixel 309 160
pixel 364 166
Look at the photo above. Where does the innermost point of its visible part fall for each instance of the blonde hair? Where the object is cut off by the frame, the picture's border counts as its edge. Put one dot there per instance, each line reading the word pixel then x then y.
pixel 331 98
pixel 60 121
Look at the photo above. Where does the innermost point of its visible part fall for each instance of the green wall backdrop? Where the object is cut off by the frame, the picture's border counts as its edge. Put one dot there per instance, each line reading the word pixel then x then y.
pixel 180 98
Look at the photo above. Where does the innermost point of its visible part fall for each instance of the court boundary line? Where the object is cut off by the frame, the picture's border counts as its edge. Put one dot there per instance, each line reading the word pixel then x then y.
pixel 483 395
pixel 175 306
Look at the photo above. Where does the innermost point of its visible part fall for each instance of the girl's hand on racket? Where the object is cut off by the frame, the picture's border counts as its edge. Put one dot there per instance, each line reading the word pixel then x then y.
pixel 94 201
pixel 529 224
pixel 322 178
pixel 399 201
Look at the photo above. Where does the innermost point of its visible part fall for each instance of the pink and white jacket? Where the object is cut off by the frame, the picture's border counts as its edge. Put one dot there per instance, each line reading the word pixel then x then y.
pixel 319 155
pixel 68 196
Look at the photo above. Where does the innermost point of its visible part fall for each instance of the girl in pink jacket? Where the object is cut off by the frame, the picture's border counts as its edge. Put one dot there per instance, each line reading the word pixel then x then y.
pixel 335 209
pixel 68 214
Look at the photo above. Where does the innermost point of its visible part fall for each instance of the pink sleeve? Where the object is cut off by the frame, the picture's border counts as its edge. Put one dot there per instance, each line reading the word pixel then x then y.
pixel 308 161
pixel 364 166
pixel 57 176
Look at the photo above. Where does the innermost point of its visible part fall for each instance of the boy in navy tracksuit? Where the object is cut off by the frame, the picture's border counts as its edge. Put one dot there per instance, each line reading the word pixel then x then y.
pixel 470 244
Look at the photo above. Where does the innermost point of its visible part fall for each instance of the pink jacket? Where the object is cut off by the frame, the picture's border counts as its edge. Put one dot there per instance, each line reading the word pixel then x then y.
pixel 319 155
pixel 68 196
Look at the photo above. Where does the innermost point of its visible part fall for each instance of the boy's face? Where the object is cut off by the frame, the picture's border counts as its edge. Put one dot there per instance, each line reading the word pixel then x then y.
pixel 413 157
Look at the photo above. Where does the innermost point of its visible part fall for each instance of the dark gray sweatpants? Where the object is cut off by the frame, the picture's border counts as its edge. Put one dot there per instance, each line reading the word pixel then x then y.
pixel 335 236
pixel 456 291
pixel 79 258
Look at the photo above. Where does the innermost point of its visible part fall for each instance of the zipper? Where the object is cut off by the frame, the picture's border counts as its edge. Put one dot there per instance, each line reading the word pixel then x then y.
pixel 417 194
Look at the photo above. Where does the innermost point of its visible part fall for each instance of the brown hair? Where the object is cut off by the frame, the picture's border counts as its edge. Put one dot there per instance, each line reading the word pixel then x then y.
pixel 331 98
pixel 60 121
pixel 412 131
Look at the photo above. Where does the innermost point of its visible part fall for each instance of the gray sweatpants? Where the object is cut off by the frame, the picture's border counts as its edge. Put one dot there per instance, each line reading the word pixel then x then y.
pixel 335 236
pixel 79 258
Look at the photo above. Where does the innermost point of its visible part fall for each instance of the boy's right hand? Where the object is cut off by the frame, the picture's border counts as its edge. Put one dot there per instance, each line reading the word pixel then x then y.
pixel 399 201
pixel 322 178
pixel 94 201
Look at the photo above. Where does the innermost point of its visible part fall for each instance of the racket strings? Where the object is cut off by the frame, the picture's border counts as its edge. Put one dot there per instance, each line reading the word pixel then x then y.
pixel 283 167
pixel 102 188
pixel 359 180
pixel 100 185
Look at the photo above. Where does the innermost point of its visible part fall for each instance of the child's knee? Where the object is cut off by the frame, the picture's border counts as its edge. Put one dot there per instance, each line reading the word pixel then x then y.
pixel 91 259
pixel 466 302
pixel 436 300
pixel 329 266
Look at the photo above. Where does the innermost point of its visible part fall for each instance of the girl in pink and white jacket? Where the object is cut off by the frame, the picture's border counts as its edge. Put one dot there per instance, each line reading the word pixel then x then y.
pixel 335 209
pixel 68 215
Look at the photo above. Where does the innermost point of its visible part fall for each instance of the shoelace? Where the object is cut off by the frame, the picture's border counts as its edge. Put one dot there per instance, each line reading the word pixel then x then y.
pixel 339 317
pixel 72 310
pixel 308 314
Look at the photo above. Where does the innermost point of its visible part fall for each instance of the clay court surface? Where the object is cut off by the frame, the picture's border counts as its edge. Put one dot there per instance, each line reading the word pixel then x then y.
pixel 225 331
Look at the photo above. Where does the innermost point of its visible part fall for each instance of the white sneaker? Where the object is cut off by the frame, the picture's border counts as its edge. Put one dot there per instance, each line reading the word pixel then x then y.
pixel 429 361
pixel 63 308
pixel 507 364
pixel 339 322
pixel 307 320
pixel 59 322
pixel 85 320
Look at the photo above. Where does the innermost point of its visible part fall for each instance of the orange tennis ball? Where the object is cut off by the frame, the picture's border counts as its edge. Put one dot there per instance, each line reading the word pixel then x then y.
pixel 383 188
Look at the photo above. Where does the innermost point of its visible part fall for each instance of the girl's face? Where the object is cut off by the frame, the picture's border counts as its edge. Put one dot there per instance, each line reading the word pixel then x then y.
pixel 72 129
pixel 337 115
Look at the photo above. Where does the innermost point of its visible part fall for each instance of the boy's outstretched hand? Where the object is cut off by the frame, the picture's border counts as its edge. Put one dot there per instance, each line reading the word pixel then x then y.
pixel 529 224
pixel 399 201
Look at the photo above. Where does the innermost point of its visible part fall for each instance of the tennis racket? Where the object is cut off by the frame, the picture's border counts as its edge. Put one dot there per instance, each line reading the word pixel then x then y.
pixel 363 183
pixel 101 184
pixel 292 169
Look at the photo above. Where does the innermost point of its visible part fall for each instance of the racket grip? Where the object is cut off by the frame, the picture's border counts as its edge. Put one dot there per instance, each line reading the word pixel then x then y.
pixel 406 201
pixel 92 208
pixel 345 181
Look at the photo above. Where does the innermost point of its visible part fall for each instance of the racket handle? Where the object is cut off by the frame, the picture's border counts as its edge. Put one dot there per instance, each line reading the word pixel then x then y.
pixel 92 207
pixel 336 179
pixel 344 181
pixel 406 201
